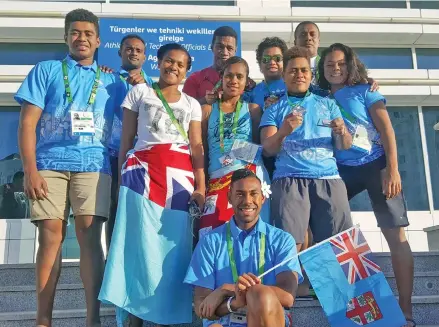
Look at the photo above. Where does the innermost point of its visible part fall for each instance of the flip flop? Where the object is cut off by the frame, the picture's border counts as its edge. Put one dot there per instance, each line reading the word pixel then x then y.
pixel 412 321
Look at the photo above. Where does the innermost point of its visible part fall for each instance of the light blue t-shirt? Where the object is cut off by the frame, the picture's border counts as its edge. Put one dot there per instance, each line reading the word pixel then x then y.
pixel 308 152
pixel 210 264
pixel 264 90
pixel 243 132
pixel 124 87
pixel 57 148
pixel 356 101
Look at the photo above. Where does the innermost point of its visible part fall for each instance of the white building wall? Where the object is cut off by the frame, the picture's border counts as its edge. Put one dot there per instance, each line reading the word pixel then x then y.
pixel 43 22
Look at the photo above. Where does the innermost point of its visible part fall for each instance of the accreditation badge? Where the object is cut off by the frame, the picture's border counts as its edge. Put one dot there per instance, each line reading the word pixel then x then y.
pixel 239 317
pixel 247 151
pixel 360 139
pixel 82 123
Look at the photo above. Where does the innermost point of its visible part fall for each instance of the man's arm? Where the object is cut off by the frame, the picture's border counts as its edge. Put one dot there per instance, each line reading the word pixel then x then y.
pixel 212 304
pixel 35 187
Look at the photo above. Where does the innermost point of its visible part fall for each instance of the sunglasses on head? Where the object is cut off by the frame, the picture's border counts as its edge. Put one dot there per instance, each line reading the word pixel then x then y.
pixel 267 59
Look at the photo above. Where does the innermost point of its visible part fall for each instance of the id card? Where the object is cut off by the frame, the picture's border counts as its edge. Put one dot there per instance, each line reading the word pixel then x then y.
pixel 227 159
pixel 239 317
pixel 82 123
pixel 246 151
pixel 360 139
pixel 324 123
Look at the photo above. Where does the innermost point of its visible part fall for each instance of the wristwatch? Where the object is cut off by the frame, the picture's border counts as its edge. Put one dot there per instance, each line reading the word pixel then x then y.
pixel 229 302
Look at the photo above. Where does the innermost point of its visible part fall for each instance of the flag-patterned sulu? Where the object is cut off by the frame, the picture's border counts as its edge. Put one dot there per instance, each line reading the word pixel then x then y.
pixel 349 285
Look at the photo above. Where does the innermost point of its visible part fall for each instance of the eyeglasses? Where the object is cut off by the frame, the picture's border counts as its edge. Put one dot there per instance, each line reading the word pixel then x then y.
pixel 267 59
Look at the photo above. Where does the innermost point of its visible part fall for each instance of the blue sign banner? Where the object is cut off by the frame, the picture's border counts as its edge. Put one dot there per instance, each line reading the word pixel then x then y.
pixel 195 36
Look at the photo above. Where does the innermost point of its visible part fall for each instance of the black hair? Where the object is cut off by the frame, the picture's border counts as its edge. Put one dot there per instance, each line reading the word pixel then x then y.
pixel 307 22
pixel 357 71
pixel 241 174
pixel 295 52
pixel 250 84
pixel 270 42
pixel 131 36
pixel 81 15
pixel 224 31
pixel 164 49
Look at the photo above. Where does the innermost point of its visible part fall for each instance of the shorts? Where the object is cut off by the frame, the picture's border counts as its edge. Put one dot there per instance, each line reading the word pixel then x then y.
pixel 390 213
pixel 88 194
pixel 321 204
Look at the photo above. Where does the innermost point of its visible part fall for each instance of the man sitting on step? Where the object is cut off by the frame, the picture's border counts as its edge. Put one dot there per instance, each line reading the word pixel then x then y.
pixel 227 261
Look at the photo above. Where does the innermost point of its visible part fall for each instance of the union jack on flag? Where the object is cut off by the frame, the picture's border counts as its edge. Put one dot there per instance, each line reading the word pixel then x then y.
pixel 354 255
pixel 162 174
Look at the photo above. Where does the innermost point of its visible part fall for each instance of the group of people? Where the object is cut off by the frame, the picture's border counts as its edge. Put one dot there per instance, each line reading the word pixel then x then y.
pixel 249 173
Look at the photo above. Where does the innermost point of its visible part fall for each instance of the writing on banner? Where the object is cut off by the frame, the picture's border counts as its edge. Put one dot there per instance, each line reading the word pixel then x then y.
pixel 195 36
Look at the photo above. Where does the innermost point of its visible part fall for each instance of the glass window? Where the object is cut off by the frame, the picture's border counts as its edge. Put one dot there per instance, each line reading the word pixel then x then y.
pixel 386 58
pixel 13 203
pixel 350 4
pixel 182 2
pixel 431 117
pixel 427 58
pixel 422 4
pixel 30 53
pixel 405 122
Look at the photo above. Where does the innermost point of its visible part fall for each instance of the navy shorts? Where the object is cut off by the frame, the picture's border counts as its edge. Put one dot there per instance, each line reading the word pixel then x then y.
pixel 390 213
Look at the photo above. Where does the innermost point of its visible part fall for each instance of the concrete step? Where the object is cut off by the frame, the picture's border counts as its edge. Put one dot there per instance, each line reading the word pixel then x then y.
pixel 23 298
pixel 425 283
pixel 424 261
pixel 71 318
pixel 24 274
pixel 426 313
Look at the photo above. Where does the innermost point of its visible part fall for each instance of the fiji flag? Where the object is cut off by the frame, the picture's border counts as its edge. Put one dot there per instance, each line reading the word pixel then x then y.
pixel 151 246
pixel 350 286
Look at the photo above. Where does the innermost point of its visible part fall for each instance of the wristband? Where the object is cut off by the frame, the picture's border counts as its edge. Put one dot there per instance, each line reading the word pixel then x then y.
pixel 229 302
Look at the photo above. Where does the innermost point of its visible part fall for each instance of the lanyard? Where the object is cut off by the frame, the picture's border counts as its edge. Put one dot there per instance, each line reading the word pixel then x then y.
pixel 344 113
pixel 297 104
pixel 170 112
pixel 235 122
pixel 123 79
pixel 232 255
pixel 94 88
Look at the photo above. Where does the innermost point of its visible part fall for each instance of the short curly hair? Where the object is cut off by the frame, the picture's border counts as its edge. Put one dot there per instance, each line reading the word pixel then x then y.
pixel 357 71
pixel 295 52
pixel 81 15
pixel 270 42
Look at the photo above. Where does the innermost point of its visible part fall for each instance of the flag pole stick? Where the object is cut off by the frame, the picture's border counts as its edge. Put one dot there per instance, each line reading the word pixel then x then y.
pixel 304 251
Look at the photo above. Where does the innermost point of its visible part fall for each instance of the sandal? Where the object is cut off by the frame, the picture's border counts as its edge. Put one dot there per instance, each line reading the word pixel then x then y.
pixel 412 321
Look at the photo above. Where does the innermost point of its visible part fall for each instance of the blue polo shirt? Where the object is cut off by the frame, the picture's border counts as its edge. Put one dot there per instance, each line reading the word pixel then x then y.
pixel 124 87
pixel 264 90
pixel 57 148
pixel 308 152
pixel 210 264
pixel 356 101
